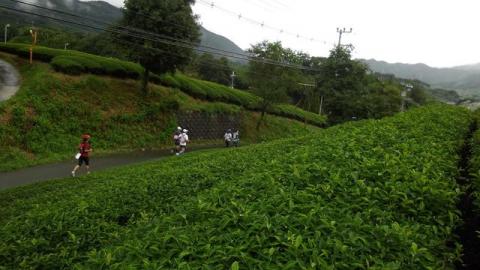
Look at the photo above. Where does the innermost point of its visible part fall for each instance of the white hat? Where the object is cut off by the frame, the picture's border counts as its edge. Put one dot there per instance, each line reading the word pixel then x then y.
pixel 179 128
pixel 185 131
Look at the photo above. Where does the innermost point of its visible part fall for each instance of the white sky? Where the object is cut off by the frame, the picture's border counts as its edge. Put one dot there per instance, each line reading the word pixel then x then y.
pixel 440 33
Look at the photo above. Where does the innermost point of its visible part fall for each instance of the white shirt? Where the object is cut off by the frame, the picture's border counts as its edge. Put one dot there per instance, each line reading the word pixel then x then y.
pixel 183 139
pixel 228 136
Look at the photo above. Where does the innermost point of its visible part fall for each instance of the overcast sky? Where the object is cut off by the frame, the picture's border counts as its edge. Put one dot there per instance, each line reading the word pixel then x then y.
pixel 440 33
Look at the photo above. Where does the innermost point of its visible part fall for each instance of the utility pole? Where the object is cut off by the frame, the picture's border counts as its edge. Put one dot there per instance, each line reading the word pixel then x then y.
pixel 342 31
pixel 408 88
pixel 6 32
pixel 233 79
pixel 305 85
pixel 34 41
pixel 321 105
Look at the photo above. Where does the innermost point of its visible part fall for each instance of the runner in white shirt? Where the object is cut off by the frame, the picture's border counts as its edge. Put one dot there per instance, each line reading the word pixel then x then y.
pixel 183 142
pixel 236 138
pixel 176 139
pixel 228 138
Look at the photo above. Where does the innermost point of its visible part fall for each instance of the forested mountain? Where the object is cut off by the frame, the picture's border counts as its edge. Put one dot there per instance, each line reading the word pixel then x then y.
pixel 464 79
pixel 210 39
pixel 97 10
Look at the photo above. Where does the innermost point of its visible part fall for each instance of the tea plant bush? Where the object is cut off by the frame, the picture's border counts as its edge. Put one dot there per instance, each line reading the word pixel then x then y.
pixel 216 92
pixel 43 121
pixel 75 63
pixel 376 194
pixel 474 165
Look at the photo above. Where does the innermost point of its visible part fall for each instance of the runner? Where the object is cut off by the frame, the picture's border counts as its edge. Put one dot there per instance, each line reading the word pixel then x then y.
pixel 85 149
pixel 176 139
pixel 228 138
pixel 236 138
pixel 183 142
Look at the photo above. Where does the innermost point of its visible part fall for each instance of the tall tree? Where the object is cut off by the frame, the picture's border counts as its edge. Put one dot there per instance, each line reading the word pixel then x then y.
pixel 160 21
pixel 342 81
pixel 215 70
pixel 270 81
pixel 418 94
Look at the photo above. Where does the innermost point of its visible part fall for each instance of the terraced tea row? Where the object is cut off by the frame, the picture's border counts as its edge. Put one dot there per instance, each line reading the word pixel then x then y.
pixel 365 195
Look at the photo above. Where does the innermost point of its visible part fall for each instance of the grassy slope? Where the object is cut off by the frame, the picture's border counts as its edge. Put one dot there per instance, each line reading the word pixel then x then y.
pixel 42 123
pixel 75 62
pixel 365 195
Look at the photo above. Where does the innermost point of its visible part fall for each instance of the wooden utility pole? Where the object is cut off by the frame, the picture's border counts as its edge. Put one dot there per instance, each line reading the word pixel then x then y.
pixel 341 32
pixel 34 42
pixel 233 79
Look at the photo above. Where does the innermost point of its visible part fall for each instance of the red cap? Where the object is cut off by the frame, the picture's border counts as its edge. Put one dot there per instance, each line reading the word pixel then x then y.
pixel 85 136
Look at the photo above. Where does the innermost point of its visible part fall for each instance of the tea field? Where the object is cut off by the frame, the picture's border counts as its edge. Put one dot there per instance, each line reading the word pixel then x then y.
pixel 43 121
pixel 377 194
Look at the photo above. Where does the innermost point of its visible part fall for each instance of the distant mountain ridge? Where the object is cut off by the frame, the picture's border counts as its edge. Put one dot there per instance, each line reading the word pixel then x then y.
pixel 212 40
pixel 464 79
pixel 98 10
pixel 473 67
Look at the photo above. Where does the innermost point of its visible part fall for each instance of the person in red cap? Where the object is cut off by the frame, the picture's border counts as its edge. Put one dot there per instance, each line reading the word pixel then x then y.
pixel 85 149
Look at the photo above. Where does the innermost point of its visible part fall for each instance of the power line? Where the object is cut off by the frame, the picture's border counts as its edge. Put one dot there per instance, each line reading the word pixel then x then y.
pixel 128 28
pixel 161 39
pixel 340 32
pixel 141 31
pixel 261 24
pixel 167 42
pixel 80 26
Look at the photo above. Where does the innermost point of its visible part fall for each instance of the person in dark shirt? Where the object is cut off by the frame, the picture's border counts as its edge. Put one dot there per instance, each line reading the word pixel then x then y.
pixel 85 148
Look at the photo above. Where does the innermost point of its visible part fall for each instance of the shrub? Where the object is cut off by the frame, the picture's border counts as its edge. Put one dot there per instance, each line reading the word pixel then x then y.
pixel 68 66
pixel 216 92
pixel 377 194
pixel 74 62
pixel 88 62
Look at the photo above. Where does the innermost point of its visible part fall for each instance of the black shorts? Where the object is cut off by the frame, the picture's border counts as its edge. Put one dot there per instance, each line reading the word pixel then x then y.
pixel 177 143
pixel 85 160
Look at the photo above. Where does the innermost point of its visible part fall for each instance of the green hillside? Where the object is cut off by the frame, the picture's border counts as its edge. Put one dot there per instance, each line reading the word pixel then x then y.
pixel 97 10
pixel 75 63
pixel 42 123
pixel 377 194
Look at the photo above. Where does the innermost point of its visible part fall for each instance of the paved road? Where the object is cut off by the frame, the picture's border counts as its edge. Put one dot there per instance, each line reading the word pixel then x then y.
pixel 63 169
pixel 9 80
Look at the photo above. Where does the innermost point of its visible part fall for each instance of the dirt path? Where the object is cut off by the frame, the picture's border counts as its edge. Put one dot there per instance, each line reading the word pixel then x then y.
pixel 63 169
pixel 9 80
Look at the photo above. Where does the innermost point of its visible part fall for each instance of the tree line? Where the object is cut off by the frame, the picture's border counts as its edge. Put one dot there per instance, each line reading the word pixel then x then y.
pixel 337 86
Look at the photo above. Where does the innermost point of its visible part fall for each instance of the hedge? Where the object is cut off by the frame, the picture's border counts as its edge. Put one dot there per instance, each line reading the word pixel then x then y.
pixel 75 63
pixel 68 60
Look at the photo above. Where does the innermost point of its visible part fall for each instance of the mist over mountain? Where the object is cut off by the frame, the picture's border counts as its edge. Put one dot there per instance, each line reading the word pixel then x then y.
pixel 97 10
pixel 474 67
pixel 463 79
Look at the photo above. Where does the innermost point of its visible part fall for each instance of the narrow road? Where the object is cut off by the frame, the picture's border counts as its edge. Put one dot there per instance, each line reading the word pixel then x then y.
pixel 63 169
pixel 9 80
